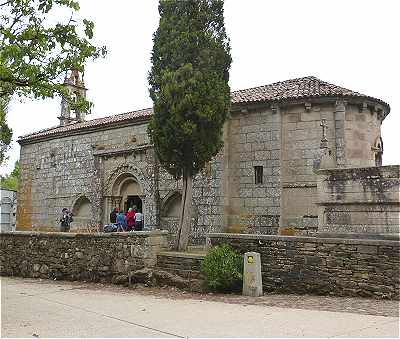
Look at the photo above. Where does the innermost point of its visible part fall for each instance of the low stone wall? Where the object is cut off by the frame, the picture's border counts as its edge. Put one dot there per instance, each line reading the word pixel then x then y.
pixel 359 200
pixel 343 267
pixel 74 256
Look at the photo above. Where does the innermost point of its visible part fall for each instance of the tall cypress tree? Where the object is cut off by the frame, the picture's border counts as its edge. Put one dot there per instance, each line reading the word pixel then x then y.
pixel 190 92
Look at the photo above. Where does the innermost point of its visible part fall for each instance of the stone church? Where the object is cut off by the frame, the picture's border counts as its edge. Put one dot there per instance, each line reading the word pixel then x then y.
pixel 263 179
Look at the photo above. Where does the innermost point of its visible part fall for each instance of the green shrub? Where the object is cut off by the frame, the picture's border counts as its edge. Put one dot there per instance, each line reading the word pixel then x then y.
pixel 223 269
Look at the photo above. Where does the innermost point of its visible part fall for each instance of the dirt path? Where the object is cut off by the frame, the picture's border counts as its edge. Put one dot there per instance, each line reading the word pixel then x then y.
pixel 389 308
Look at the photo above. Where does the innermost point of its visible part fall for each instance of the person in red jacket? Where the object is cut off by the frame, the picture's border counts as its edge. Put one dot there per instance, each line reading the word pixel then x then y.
pixel 130 219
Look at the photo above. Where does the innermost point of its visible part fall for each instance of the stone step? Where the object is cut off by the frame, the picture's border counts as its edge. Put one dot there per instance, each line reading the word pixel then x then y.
pixel 186 265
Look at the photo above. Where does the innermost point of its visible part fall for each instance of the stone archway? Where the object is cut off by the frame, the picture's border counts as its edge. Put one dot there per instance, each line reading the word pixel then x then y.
pixel 127 192
pixel 171 205
pixel 82 214
pixel 170 211
pixel 127 178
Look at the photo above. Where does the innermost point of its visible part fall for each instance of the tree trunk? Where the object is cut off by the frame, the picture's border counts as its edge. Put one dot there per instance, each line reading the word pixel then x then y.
pixel 182 237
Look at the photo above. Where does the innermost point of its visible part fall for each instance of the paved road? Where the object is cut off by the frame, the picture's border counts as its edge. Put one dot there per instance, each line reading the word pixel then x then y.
pixel 45 308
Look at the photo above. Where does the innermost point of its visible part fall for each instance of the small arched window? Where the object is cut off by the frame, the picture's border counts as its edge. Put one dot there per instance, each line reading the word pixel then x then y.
pixel 378 151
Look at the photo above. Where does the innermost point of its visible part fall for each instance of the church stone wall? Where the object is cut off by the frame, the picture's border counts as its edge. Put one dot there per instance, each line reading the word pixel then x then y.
pixel 55 173
pixel 352 130
pixel 252 138
pixel 284 139
pixel 301 137
pixel 225 195
pixel 207 201
pixel 58 173
pixel 362 129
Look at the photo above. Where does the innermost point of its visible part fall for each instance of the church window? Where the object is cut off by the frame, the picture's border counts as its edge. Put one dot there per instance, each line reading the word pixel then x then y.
pixel 258 174
pixel 378 150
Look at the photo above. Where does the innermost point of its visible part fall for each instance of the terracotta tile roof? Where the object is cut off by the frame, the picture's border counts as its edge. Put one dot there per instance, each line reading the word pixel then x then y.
pixel 306 87
pixel 74 126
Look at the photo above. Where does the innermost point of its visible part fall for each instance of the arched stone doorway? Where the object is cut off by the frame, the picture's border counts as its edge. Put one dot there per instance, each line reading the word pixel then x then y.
pixel 82 214
pixel 129 178
pixel 170 211
pixel 126 192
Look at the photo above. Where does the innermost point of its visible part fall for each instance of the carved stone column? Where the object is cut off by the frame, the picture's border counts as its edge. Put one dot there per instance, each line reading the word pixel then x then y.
pixel 117 202
pixel 340 128
pixel 144 209
pixel 107 209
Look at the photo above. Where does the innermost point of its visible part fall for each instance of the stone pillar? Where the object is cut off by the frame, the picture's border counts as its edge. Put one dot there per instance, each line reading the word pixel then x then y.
pixel 252 280
pixel 339 123
pixel 144 210
pixel 326 156
pixel 108 206
pixel 117 202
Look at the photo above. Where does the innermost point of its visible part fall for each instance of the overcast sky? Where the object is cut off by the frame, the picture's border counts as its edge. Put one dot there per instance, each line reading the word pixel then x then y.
pixel 350 43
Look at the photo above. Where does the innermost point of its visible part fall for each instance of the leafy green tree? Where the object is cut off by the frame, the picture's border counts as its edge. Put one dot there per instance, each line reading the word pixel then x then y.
pixel 5 131
pixel 36 51
pixel 190 92
pixel 11 181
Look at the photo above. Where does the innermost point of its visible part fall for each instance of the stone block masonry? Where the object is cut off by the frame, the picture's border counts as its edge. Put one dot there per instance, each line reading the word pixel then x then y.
pixel 72 256
pixel 323 266
pixel 359 200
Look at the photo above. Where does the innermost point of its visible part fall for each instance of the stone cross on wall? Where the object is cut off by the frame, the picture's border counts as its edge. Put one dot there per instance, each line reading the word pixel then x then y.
pixel 326 158
pixel 324 128
pixel 324 140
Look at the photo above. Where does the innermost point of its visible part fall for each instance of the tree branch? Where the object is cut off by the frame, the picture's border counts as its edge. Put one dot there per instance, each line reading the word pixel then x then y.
pixel 5 3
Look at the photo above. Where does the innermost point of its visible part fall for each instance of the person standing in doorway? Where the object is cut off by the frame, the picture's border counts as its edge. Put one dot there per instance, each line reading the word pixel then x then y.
pixel 138 221
pixel 113 216
pixel 121 222
pixel 130 219
pixel 65 220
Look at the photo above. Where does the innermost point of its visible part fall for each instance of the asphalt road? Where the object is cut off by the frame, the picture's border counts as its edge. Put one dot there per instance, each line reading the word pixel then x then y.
pixel 42 308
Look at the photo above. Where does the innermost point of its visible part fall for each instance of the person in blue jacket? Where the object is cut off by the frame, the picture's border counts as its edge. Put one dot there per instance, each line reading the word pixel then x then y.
pixel 121 222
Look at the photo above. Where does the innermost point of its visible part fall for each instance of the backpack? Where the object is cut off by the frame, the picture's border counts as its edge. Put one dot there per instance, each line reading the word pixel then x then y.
pixel 110 228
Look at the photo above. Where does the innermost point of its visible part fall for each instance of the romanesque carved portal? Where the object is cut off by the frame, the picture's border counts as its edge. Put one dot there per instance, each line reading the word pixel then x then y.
pixel 125 189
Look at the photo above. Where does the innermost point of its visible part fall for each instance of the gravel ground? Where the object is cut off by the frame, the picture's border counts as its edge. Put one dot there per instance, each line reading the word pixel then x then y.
pixel 308 302
pixel 389 308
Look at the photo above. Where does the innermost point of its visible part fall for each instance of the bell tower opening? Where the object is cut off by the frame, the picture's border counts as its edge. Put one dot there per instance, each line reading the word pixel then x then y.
pixel 75 86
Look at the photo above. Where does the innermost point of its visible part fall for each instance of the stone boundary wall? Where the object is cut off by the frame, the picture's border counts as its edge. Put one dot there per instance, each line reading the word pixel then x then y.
pixel 322 266
pixel 75 256
pixel 359 200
